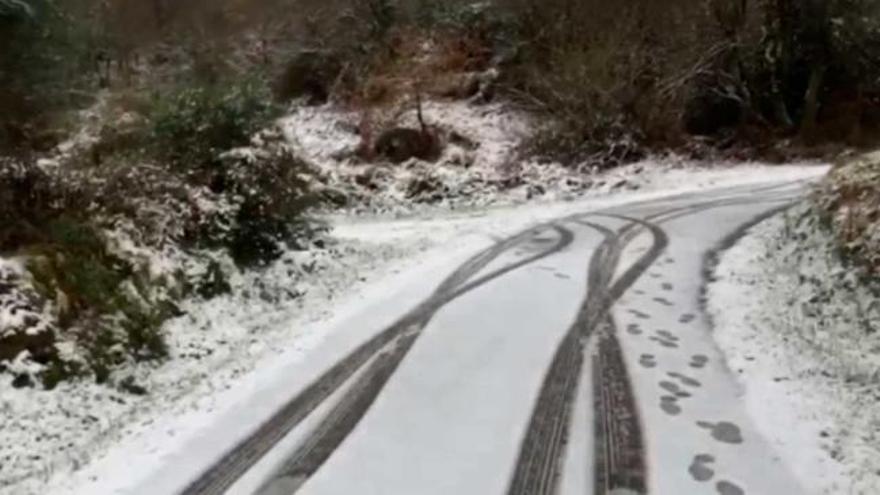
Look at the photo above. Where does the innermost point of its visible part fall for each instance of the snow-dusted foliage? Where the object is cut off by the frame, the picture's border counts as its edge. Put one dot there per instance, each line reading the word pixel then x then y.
pixel 26 322
pixel 212 345
pixel 850 202
pixel 801 328
pixel 480 163
pixel 109 244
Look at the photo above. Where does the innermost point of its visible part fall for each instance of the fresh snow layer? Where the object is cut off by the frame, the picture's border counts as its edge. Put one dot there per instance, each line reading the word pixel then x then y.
pixel 17 308
pixel 661 338
pixel 477 363
pixel 232 357
pixel 801 335
pixel 480 165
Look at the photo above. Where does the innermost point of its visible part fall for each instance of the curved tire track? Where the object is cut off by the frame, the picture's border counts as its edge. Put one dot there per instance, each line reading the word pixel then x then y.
pixel 242 457
pixel 538 465
pixel 348 412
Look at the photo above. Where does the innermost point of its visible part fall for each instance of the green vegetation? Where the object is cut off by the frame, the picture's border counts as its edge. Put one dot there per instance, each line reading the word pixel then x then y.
pixel 166 103
pixel 109 319
pixel 191 126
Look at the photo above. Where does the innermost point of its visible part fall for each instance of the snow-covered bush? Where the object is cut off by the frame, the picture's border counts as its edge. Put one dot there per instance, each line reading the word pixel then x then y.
pixel 192 125
pixel 270 188
pixel 849 200
pixel 110 247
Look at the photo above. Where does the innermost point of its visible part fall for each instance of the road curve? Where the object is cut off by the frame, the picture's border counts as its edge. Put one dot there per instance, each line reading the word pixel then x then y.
pixel 474 390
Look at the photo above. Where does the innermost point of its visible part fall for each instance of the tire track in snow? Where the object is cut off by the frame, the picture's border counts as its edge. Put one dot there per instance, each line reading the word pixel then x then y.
pixel 537 469
pixel 619 442
pixel 538 466
pixel 620 464
pixel 342 420
pixel 224 473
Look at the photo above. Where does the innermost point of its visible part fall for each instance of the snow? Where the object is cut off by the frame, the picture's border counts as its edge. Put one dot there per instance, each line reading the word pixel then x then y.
pixel 480 166
pixel 577 477
pixel 794 327
pixel 200 419
pixel 479 364
pixel 235 358
pixel 18 308
pixel 674 438
pixel 212 349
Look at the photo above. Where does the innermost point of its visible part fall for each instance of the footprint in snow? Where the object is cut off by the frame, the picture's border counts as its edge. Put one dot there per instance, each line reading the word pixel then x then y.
pixel 698 361
pixel 724 431
pixel 699 468
pixel 664 301
pixel 729 488
pixel 638 314
pixel 665 343
pixel 674 389
pixel 684 379
pixel 669 405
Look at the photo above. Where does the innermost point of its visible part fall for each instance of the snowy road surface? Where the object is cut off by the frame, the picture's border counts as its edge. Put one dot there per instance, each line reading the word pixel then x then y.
pixel 572 358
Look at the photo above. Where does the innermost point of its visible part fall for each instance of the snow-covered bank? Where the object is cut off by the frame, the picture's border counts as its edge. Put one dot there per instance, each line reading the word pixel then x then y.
pixel 481 165
pixel 212 347
pixel 801 334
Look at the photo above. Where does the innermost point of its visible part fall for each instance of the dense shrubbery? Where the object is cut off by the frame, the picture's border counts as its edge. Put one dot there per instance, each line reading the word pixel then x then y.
pixel 273 197
pixel 849 203
pixel 650 72
pixel 191 126
pixel 154 173
pixel 98 299
pixel 110 305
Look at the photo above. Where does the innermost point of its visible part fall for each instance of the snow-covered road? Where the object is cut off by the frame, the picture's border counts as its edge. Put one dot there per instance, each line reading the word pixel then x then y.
pixel 573 357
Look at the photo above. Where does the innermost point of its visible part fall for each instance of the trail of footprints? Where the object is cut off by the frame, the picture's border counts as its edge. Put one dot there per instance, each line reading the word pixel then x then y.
pixel 678 387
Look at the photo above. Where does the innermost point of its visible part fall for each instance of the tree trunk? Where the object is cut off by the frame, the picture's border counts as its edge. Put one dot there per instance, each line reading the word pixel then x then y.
pixel 780 28
pixel 811 102
pixel 855 133
pixel 780 110
pixel 816 43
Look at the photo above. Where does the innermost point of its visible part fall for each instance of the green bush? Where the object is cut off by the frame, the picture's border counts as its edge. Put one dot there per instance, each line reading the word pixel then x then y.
pixel 191 126
pixel 274 198
pixel 58 371
pixel 109 322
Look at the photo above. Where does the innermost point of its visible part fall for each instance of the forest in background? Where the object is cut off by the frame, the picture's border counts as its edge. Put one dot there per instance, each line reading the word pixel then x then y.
pixel 640 72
